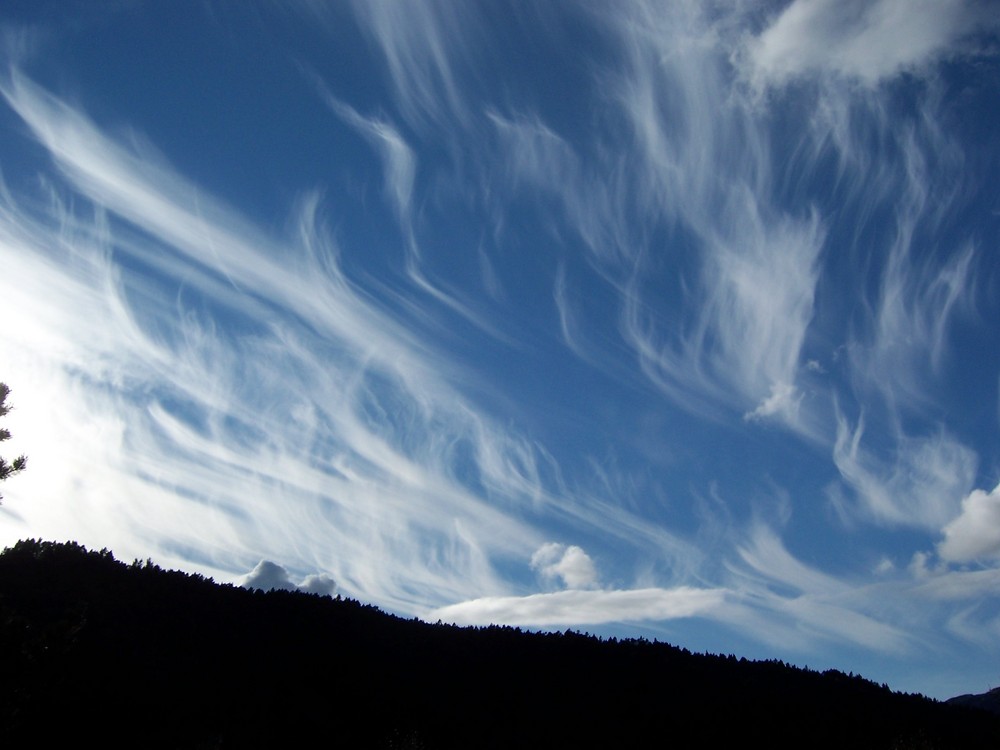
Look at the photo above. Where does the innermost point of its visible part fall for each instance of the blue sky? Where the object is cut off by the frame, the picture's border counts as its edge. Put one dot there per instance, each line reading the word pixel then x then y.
pixel 674 320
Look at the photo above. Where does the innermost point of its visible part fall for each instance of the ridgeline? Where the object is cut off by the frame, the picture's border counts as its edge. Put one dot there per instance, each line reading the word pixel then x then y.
pixel 95 651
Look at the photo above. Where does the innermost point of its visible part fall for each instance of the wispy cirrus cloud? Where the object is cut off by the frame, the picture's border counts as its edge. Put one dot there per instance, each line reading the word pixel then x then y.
pixel 398 159
pixel 921 295
pixel 802 604
pixel 389 463
pixel 678 179
pixel 424 46
pixel 209 417
pixel 921 485
pixel 736 344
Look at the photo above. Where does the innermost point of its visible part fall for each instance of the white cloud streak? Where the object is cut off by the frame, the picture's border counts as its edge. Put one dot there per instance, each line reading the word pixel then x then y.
pixel 398 159
pixel 866 40
pixel 578 607
pixel 422 45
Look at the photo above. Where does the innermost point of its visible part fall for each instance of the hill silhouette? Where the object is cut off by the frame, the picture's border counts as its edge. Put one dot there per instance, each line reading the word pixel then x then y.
pixel 98 651
pixel 988 701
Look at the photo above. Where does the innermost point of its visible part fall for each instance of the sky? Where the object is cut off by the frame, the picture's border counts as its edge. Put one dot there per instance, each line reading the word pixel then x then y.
pixel 674 320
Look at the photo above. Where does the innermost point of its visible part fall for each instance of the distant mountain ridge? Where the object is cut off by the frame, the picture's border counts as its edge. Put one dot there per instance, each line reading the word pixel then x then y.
pixel 132 655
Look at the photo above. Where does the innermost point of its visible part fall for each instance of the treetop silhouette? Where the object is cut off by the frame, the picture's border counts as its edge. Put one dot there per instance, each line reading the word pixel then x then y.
pixel 19 463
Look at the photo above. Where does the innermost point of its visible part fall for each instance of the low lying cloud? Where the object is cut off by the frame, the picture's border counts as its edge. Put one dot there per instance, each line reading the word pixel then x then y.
pixel 318 583
pixel 268 576
pixel 975 533
pixel 577 607
pixel 570 564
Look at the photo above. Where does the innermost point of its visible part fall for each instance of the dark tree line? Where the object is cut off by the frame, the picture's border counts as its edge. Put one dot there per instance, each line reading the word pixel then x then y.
pixel 131 655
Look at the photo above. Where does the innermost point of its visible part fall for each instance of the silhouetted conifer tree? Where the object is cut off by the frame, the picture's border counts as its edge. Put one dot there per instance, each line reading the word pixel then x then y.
pixel 18 464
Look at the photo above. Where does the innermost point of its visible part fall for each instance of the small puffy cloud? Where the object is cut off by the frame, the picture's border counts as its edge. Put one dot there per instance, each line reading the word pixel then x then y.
pixel 583 607
pixel 783 401
pixel 268 576
pixel 319 583
pixel 867 40
pixel 569 563
pixel 885 566
pixel 975 533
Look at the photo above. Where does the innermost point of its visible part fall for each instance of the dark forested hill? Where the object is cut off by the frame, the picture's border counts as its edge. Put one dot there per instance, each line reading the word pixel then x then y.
pixel 989 701
pixel 96 651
